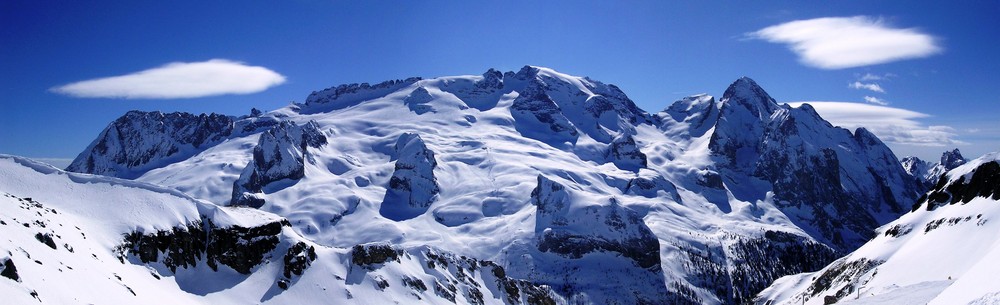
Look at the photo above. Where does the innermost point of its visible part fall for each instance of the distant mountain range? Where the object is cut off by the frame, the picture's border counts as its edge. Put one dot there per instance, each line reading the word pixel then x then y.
pixel 526 187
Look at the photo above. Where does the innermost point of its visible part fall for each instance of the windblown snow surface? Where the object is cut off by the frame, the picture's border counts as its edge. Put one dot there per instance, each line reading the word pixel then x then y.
pixel 557 186
pixel 63 237
pixel 945 251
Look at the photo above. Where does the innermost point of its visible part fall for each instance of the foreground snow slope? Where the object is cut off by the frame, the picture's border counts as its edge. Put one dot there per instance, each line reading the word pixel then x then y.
pixel 560 179
pixel 945 251
pixel 83 239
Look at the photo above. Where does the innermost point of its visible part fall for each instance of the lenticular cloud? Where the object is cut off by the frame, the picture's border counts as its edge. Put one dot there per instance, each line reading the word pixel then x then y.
pixel 179 80
pixel 846 42
pixel 891 125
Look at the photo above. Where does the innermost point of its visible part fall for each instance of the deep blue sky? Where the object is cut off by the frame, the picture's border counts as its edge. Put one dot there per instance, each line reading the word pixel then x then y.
pixel 656 51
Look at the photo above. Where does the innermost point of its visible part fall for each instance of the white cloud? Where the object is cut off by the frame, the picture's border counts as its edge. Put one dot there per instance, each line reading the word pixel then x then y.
pixel 870 77
pixel 892 125
pixel 179 80
pixel 875 100
pixel 867 86
pixel 846 42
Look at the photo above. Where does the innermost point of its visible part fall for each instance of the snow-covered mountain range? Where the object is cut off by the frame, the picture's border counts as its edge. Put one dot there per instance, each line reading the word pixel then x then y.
pixel 928 173
pixel 944 251
pixel 553 183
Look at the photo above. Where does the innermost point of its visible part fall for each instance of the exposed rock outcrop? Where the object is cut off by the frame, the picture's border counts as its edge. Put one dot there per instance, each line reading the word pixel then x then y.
pixel 412 187
pixel 281 153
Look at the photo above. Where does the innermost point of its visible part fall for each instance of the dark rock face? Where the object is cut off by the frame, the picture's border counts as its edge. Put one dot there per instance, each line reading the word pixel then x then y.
pixel 928 173
pixel 10 271
pixel 492 80
pixel 984 182
pixel 343 96
pixel 236 247
pixel 839 272
pixel 741 267
pixel 759 261
pixel 848 183
pixel 373 254
pixel 297 259
pixel 281 153
pixel 139 141
pixel 412 188
pixel 454 275
pixel 625 154
pixel 952 159
pixel 46 239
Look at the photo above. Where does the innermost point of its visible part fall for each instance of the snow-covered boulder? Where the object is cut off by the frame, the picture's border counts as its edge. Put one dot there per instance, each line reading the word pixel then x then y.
pixel 413 187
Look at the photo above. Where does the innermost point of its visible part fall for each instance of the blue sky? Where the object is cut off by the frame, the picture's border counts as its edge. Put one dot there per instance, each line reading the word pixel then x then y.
pixel 943 94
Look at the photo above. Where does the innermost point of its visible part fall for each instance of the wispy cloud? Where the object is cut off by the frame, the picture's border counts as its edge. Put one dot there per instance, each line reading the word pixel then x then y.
pixel 846 42
pixel 892 125
pixel 179 80
pixel 871 77
pixel 875 100
pixel 867 86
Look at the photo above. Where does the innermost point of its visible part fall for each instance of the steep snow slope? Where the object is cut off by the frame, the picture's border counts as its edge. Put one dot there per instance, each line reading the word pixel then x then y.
pixel 724 225
pixel 71 238
pixel 945 251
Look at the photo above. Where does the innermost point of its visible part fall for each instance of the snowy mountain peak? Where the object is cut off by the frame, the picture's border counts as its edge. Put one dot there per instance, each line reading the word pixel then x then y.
pixel 852 183
pixel 865 137
pixel 746 93
pixel 492 79
pixel 928 173
pixel 952 159
pixel 527 72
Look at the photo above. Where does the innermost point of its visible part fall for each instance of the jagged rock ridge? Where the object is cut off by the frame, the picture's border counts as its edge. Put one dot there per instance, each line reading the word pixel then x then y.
pixel 928 173
pixel 139 141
